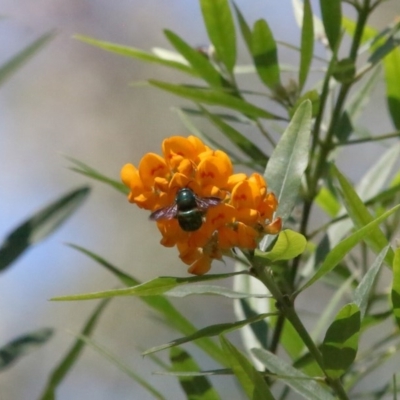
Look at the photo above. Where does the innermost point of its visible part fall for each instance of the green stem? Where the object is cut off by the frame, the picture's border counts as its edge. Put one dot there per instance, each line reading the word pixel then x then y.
pixel 370 139
pixel 285 304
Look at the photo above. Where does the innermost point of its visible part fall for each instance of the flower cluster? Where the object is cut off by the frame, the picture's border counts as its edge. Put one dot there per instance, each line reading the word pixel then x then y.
pixel 242 217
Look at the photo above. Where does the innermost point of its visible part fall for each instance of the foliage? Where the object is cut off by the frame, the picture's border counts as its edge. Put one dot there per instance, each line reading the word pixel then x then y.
pixel 302 127
pixel 34 229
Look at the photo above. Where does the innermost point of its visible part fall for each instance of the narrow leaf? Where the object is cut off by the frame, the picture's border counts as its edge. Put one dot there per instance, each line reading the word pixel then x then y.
pixel 197 60
pixel 12 65
pixel 121 366
pixel 215 98
pixel 356 105
pixel 189 290
pixel 135 53
pixel 151 288
pixel 339 348
pixel 239 140
pixel 289 160
pixel 249 378
pixel 264 52
pixel 221 30
pixel 60 372
pixel 195 387
pixel 332 18
pixel 289 245
pixel 396 286
pixel 159 303
pixel 244 27
pixel 23 345
pixel 212 330
pixel 340 251
pixel 327 202
pixel 360 216
pixel 40 225
pixel 391 65
pixel 299 382
pixel 90 172
pixel 307 44
pixel 361 294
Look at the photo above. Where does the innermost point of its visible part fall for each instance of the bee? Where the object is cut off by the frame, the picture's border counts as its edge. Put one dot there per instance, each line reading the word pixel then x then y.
pixel 188 208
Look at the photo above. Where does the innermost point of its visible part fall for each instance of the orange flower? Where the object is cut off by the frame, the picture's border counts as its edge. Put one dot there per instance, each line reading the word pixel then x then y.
pixel 220 211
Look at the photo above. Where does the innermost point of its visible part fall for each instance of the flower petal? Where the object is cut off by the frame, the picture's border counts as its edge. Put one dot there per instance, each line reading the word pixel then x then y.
pixel 152 166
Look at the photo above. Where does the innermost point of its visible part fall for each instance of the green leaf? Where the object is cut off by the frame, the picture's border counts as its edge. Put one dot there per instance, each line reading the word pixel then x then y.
pixel 307 44
pixel 150 288
pixel 159 303
pixel 328 312
pixel 40 225
pixel 189 290
pixel 213 97
pixel 60 372
pixel 356 105
pixel 12 65
pixel 289 245
pixel 327 202
pixel 344 70
pixel 361 294
pixel 340 251
pixel 259 329
pixel 299 382
pixel 249 378
pixel 23 345
pixel 90 172
pixel 391 65
pixel 311 95
pixel 197 60
pixel 121 366
pixel 239 140
pixel 289 160
pixel 221 30
pixel 212 330
pixel 332 18
pixel 380 52
pixel 396 286
pixel 339 348
pixel 135 53
pixel 195 387
pixel 360 215
pixel 264 52
pixel 244 27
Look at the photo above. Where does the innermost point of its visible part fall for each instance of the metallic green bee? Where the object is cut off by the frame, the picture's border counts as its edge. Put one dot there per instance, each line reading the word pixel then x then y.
pixel 188 208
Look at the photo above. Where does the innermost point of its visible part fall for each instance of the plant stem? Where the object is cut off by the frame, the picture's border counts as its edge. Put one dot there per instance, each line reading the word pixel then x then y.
pixel 285 304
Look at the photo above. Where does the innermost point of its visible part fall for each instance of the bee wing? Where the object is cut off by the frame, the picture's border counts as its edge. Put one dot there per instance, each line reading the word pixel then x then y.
pixel 164 213
pixel 203 203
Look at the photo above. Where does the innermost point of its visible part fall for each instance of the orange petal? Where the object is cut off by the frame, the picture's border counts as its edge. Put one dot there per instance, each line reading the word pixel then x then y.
pixel 178 181
pixel 176 149
pixel 199 146
pixel 245 194
pixel 130 177
pixel 248 216
pixel 220 215
pixel 152 166
pixel 268 206
pixel 200 266
pixel 274 227
pixel 170 231
pixel 259 181
pixel 234 179
pixel 247 236
pixel 214 169
pixel 188 254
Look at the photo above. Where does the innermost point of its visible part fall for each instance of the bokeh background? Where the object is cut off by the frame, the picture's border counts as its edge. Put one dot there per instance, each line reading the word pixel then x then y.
pixel 75 100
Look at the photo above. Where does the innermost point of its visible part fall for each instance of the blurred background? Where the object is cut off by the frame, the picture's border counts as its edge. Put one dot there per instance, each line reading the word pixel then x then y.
pixel 75 100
